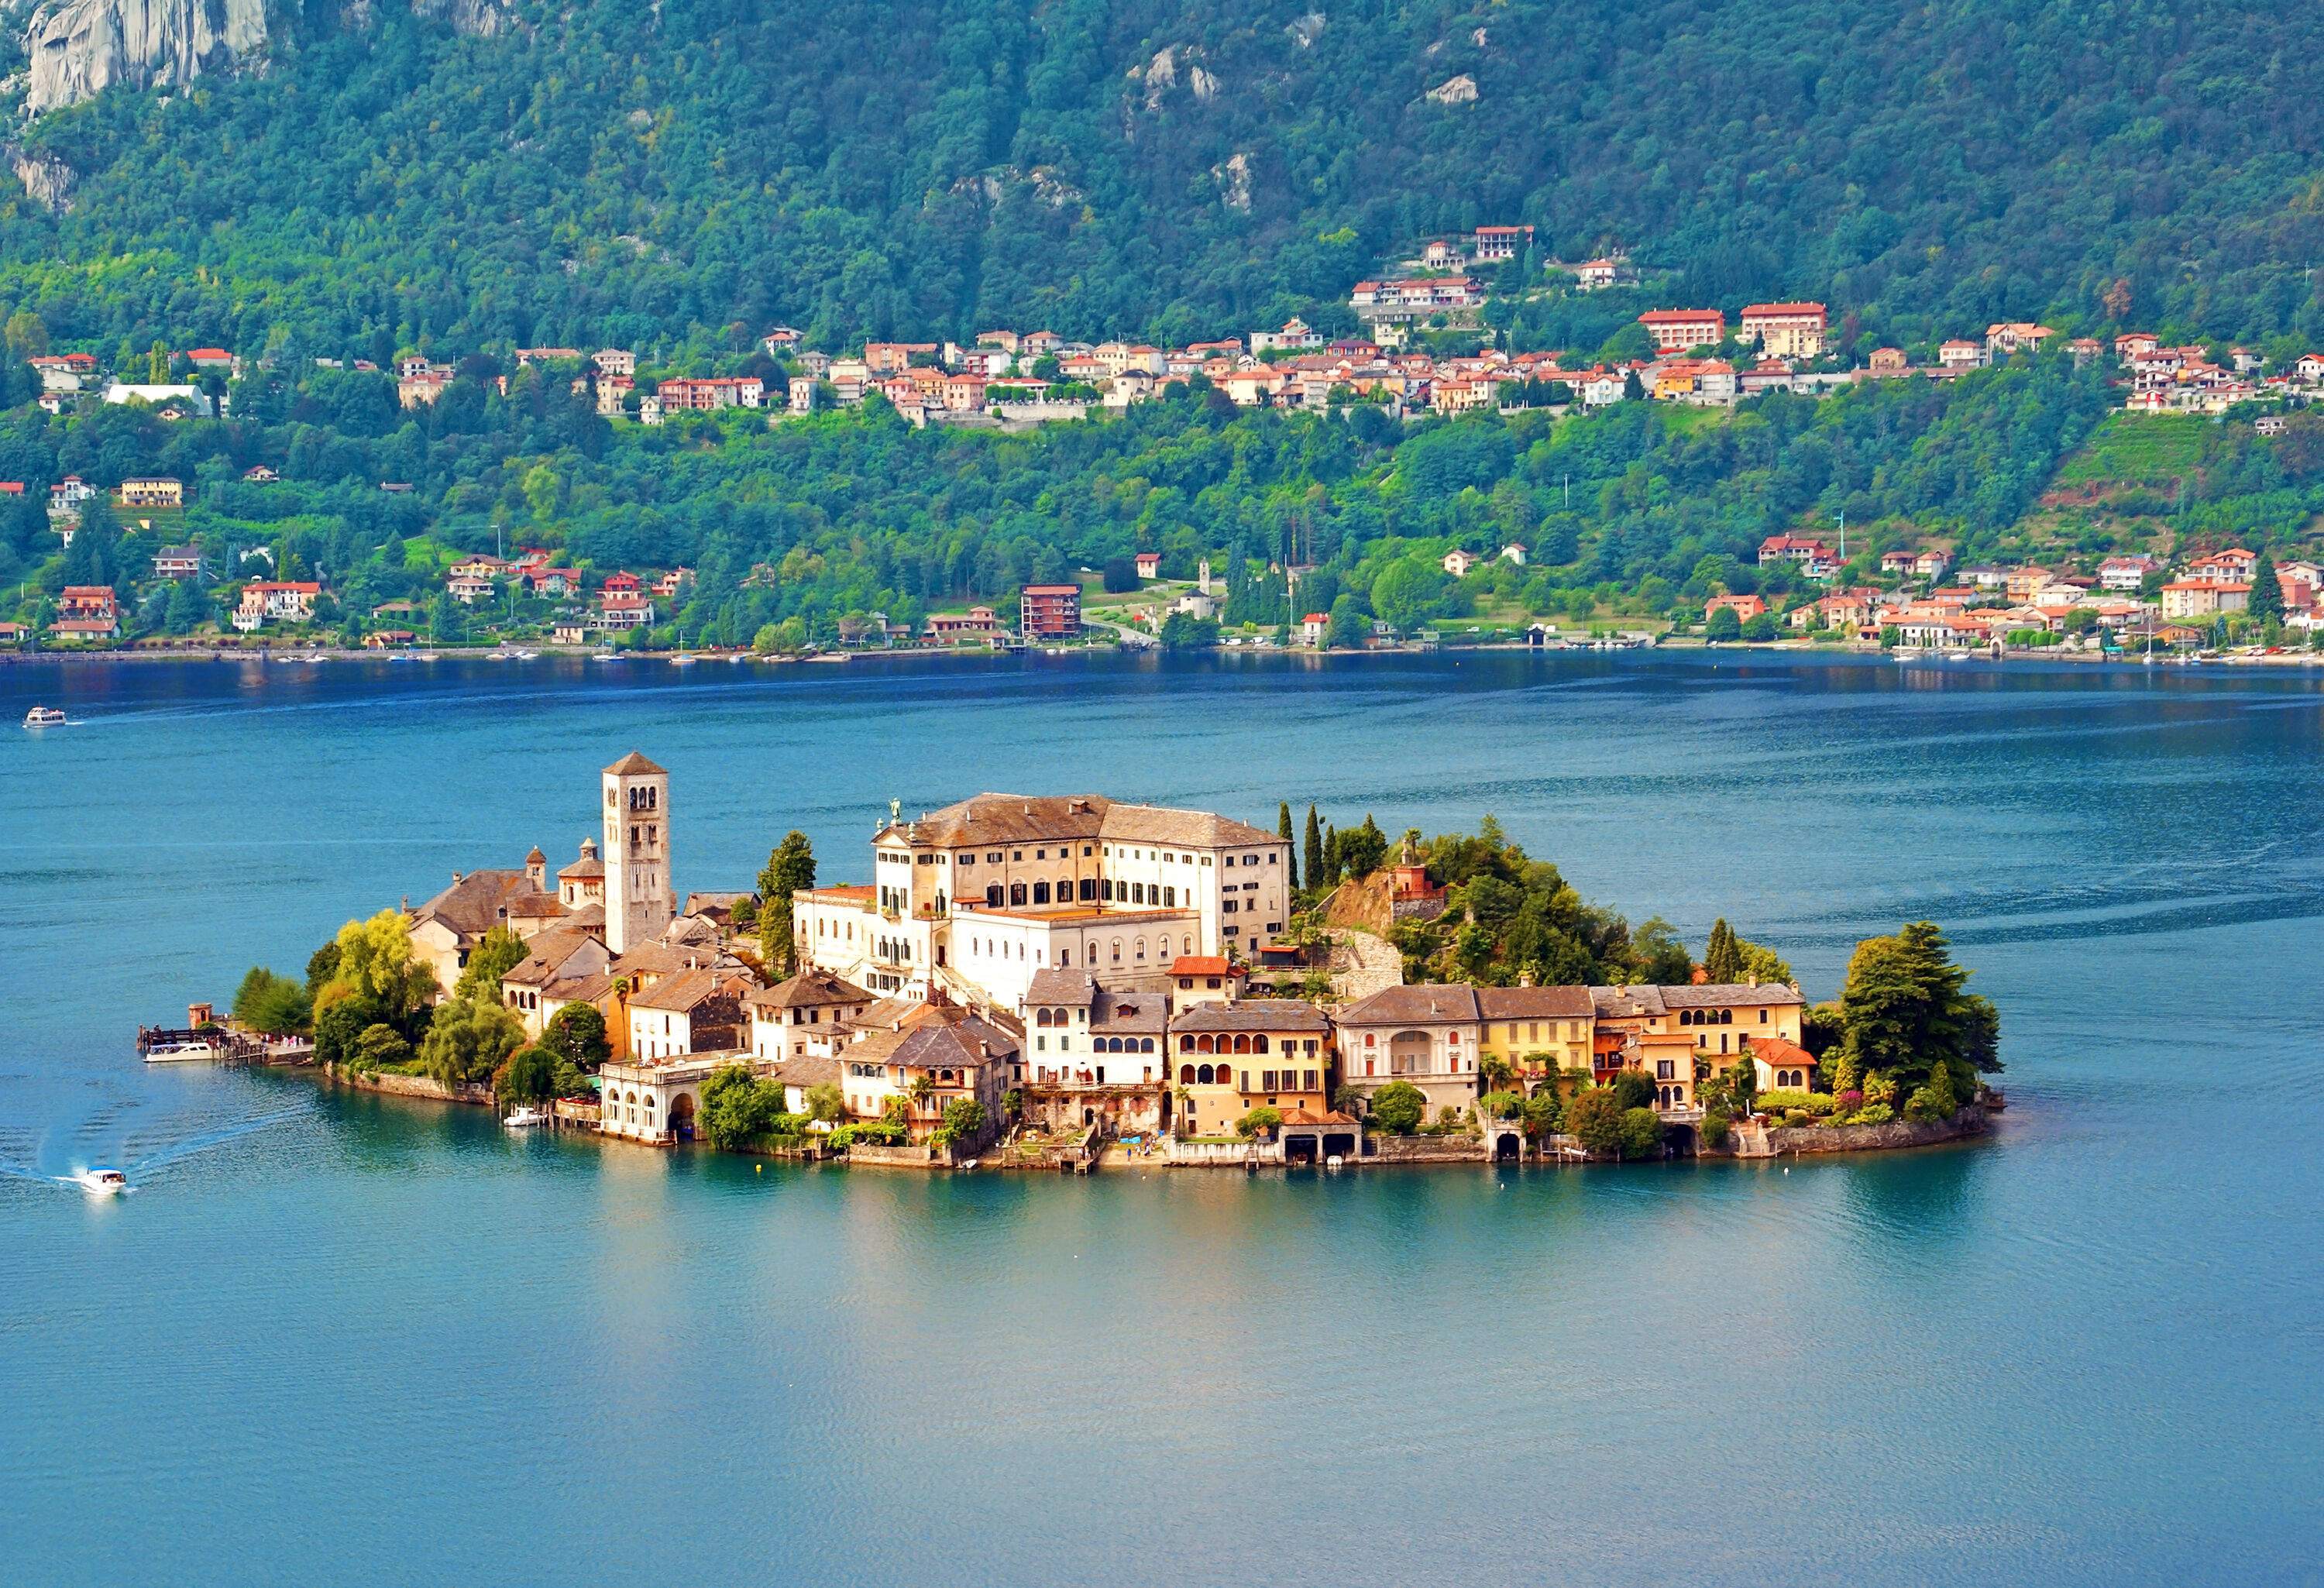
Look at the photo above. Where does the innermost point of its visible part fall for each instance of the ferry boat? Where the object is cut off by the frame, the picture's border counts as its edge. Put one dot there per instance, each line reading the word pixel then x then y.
pixel 525 1118
pixel 187 1051
pixel 44 717
pixel 102 1182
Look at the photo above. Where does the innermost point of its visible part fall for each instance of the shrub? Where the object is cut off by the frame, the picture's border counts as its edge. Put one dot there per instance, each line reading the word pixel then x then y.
pixel 1399 1107
pixel 1878 1113
pixel 1796 1117
pixel 1257 1119
pixel 1633 1090
pixel 1501 1105
pixel 1810 1102
pixel 1716 1128
pixel 1642 1132
pixel 1850 1101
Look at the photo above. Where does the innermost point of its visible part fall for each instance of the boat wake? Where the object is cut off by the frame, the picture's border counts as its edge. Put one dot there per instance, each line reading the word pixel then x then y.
pixel 204 1141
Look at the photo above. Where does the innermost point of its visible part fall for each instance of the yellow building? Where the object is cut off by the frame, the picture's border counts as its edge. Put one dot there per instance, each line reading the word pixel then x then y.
pixel 1535 1030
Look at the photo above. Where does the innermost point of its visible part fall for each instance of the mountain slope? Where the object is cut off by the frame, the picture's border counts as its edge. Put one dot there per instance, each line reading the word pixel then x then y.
pixel 618 174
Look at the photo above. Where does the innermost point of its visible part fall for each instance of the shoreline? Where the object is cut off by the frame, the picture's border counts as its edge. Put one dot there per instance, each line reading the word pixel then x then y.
pixel 1761 1144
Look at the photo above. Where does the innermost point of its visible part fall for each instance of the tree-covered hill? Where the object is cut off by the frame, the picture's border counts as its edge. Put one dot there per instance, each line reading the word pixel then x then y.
pixel 614 172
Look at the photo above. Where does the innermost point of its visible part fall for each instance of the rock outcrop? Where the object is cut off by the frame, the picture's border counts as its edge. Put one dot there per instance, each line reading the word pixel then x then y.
pixel 478 19
pixel 81 48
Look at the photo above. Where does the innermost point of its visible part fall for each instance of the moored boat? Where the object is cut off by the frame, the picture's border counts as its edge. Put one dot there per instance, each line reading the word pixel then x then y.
pixel 188 1051
pixel 525 1118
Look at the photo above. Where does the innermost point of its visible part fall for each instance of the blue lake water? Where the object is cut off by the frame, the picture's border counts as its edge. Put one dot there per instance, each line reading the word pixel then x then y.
pixel 338 1339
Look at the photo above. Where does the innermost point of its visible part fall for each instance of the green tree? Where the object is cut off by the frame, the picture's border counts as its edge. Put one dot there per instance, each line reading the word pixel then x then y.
pixel 2266 592
pixel 1282 831
pixel 467 1041
pixel 577 1034
pixel 1312 858
pixel 1594 1118
pixel 527 1075
pixel 826 1102
pixel 274 1005
pixel 1399 1108
pixel 380 1047
pixel 738 1109
pixel 1906 1008
pixel 1722 626
pixel 1346 629
pixel 497 952
pixel 1257 1121
pixel 790 866
pixel 377 963
pixel 1722 961
pixel 964 1123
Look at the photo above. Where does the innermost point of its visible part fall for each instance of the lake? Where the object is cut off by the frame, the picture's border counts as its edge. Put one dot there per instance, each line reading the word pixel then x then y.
pixel 339 1339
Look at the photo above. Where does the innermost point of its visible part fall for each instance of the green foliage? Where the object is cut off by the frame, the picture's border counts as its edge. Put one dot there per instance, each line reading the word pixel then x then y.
pixel 1641 1133
pixel 274 1005
pixel 1502 1105
pixel 378 1047
pixel 377 964
pixel 743 1110
pixel 1399 1108
pixel 497 952
pixel 1718 1128
pixel 790 866
pixel 1906 1010
pixel 964 1123
pixel 1257 1121
pixel 468 1040
pixel 527 1075
pixel 1633 1090
pixel 1722 625
pixel 577 1034
pixel 826 1102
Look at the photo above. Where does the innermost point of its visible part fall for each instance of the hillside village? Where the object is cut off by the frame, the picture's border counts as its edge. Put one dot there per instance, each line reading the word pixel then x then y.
pixel 1423 351
pixel 1045 976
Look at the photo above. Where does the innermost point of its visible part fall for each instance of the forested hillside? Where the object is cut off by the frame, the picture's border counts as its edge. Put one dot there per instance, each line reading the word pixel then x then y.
pixel 652 175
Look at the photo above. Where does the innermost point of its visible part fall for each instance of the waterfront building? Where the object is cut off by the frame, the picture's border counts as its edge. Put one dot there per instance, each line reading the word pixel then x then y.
pixel 658 1100
pixel 637 891
pixel 566 964
pixel 1236 1055
pixel 1093 1056
pixel 1782 1066
pixel 1425 1034
pixel 980 896
pixel 958 1053
pixel 1539 1032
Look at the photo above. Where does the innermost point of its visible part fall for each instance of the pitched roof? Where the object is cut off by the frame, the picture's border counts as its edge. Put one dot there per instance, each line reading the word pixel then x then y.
pixel 1055 985
pixel 810 988
pixel 477 902
pixel 1204 964
pixel 633 764
pixel 1129 1012
pixel 1775 1050
pixel 1412 1004
pixel 1535 1003
pixel 1253 1014
pixel 687 990
pixel 1719 994
pixel 1614 1003
pixel 1034 818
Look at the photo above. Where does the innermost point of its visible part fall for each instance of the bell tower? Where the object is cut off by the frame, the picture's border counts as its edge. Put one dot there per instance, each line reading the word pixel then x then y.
pixel 638 900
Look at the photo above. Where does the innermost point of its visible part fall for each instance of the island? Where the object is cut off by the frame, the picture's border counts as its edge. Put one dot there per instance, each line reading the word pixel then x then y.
pixel 1058 982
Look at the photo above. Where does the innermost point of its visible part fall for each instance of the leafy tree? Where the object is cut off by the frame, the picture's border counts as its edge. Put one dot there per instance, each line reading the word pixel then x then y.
pixel 1120 576
pixel 963 1122
pixel 1742 1079
pixel 527 1075
pixel 1641 1132
pixel 1759 627
pixel 738 1108
pixel 1346 629
pixel 1502 1105
pixel 1594 1118
pixel 824 1101
pixel 1722 626
pixel 1906 1008
pixel 1399 1108
pixel 1659 956
pixel 1633 1090
pixel 577 1034
pixel 497 952
pixel 467 1041
pixel 1257 1121
pixel 338 1030
pixel 380 1047
pixel 790 866
pixel 377 963
pixel 322 965
pixel 274 1005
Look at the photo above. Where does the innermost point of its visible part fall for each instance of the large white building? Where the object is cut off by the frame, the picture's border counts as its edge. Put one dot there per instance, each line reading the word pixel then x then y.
pixel 979 896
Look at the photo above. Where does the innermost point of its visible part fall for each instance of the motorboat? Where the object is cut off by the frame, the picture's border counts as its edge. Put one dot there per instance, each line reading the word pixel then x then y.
pixel 525 1118
pixel 102 1182
pixel 683 659
pixel 188 1052
pixel 44 717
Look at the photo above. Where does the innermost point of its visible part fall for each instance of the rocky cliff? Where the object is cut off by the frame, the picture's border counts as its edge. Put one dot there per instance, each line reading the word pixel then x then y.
pixel 79 48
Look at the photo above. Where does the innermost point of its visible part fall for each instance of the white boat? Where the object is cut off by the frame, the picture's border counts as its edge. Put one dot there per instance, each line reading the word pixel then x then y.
pixel 102 1182
pixel 428 656
pixel 683 659
pixel 44 717
pixel 525 1118
pixel 187 1052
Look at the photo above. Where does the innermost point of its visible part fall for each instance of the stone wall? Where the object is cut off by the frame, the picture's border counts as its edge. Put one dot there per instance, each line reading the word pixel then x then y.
pixel 412 1086
pixel 914 1158
pixel 1971 1120
pixel 1425 1150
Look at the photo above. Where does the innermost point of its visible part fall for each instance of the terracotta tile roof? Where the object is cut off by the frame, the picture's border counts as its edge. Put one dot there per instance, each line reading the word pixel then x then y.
pixel 633 764
pixel 1523 1003
pixel 1203 964
pixel 1722 994
pixel 810 988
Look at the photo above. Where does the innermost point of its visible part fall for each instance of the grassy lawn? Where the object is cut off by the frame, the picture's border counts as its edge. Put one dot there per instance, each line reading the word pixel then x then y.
pixel 2152 449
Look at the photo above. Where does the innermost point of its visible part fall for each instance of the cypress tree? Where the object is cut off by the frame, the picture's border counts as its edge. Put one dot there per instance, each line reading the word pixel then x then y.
pixel 1722 959
pixel 2266 593
pixel 1317 876
pixel 1282 831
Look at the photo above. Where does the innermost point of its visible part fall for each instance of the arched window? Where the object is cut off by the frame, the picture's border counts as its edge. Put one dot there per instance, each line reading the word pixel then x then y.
pixel 1189 947
pixel 1145 1045
pixel 1726 1017
pixel 1242 1044
pixel 1040 1017
pixel 1186 1075
pixel 1138 947
pixel 1186 1043
pixel 1089 890
pixel 1204 1045
pixel 992 896
pixel 1040 892
pixel 1016 893
pixel 1205 1074
pixel 1117 951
